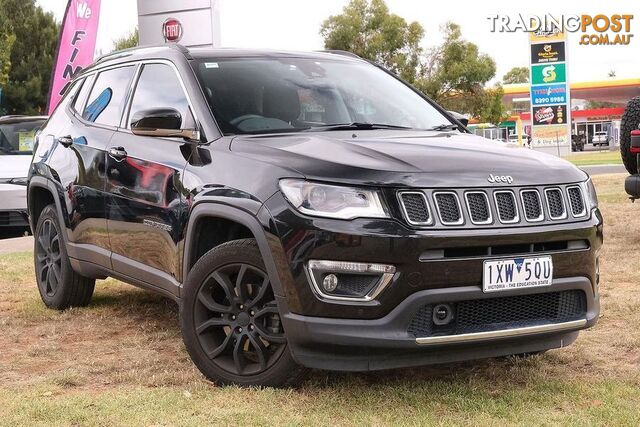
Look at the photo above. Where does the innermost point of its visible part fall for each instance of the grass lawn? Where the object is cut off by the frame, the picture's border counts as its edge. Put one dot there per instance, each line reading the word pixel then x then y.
pixel 121 362
pixel 595 158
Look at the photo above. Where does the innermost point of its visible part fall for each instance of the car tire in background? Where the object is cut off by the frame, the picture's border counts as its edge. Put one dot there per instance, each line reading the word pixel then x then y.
pixel 230 320
pixel 630 121
pixel 59 285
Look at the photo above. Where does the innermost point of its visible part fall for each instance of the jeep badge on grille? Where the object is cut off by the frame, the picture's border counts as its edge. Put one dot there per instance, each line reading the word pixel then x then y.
pixel 504 179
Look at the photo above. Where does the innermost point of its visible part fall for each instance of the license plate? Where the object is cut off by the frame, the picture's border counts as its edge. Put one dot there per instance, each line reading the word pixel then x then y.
pixel 517 273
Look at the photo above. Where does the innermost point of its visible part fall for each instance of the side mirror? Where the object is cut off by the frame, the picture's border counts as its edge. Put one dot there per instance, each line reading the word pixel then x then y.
pixel 161 122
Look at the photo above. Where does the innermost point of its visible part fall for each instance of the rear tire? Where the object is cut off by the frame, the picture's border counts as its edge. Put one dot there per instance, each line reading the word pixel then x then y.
pixel 230 321
pixel 630 121
pixel 60 287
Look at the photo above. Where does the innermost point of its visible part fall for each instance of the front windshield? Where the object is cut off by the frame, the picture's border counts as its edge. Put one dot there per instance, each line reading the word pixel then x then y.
pixel 18 138
pixel 261 95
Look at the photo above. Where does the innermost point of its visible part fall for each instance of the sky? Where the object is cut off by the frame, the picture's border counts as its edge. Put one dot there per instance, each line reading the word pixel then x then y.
pixel 295 24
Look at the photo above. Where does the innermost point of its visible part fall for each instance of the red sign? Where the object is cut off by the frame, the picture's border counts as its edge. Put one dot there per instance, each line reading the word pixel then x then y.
pixel 172 30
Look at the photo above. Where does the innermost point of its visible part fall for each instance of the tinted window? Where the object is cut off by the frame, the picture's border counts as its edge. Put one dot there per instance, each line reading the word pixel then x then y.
pixel 107 98
pixel 159 87
pixel 254 95
pixel 83 94
pixel 17 138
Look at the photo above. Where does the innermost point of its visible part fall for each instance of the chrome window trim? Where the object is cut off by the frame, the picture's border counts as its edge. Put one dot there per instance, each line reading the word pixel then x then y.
pixel 584 202
pixel 404 210
pixel 486 198
pixel 564 204
pixel 435 201
pixel 333 267
pixel 516 219
pixel 524 209
pixel 505 333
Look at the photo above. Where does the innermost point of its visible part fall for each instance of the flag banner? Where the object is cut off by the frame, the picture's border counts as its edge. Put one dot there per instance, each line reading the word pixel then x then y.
pixel 75 47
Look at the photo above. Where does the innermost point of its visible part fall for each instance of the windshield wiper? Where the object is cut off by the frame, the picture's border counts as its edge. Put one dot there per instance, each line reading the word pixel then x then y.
pixel 450 126
pixel 354 126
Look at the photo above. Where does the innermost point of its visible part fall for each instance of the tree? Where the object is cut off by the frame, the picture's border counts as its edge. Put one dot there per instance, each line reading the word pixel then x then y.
pixel 455 74
pixel 130 40
pixel 367 29
pixel 35 35
pixel 516 75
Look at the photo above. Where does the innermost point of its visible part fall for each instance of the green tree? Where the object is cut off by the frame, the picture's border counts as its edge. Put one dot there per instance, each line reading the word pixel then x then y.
pixel 130 40
pixel 31 56
pixel 366 28
pixel 516 75
pixel 455 74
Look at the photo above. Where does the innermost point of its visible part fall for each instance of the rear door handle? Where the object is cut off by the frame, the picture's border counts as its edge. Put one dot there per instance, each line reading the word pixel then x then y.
pixel 65 141
pixel 117 153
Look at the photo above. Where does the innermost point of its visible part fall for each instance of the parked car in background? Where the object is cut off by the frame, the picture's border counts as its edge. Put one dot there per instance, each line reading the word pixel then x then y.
pixel 601 138
pixel 17 135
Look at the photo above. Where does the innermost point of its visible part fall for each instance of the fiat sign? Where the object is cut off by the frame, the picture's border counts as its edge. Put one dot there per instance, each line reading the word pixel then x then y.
pixel 172 30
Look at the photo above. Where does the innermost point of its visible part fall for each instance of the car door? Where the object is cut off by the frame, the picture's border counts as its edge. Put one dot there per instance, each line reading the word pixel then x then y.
pixel 144 200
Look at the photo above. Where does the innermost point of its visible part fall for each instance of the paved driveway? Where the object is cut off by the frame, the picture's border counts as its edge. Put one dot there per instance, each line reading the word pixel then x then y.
pixel 19 244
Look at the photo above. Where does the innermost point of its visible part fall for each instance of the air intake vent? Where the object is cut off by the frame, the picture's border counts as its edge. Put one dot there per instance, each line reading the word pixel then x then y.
pixel 416 208
pixel 555 203
pixel 506 206
pixel 478 205
pixel 532 205
pixel 576 201
pixel 448 208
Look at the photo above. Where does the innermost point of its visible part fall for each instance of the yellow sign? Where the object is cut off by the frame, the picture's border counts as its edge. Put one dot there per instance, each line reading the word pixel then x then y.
pixel 542 36
pixel 551 135
pixel 26 140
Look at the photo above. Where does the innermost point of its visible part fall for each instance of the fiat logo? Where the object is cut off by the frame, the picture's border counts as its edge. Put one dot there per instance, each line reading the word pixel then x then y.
pixel 172 30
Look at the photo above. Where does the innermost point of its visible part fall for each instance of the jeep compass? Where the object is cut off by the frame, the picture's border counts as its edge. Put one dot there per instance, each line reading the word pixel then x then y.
pixel 307 210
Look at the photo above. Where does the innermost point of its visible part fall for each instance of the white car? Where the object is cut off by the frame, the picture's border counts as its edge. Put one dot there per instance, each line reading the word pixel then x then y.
pixel 600 138
pixel 17 134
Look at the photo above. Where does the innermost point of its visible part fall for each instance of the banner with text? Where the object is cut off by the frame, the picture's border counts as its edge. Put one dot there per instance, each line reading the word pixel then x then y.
pixel 75 47
pixel 550 95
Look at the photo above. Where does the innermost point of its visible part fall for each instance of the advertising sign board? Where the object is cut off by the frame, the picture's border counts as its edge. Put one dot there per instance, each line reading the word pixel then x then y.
pixel 549 94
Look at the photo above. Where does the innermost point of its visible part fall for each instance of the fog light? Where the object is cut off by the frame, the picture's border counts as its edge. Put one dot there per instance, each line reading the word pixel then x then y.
pixel 330 282
pixel 442 314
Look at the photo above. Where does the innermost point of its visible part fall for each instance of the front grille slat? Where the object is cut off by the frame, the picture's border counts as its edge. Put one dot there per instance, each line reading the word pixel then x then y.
pixel 490 314
pixel 478 206
pixel 532 205
pixel 416 208
pixel 506 206
pixel 448 208
pixel 555 203
pixel 576 201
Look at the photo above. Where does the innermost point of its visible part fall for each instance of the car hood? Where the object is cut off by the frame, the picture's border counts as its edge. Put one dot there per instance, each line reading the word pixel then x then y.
pixel 14 166
pixel 408 159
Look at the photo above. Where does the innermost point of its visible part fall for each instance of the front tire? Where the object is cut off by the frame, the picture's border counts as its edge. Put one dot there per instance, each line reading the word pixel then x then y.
pixel 630 121
pixel 230 321
pixel 60 287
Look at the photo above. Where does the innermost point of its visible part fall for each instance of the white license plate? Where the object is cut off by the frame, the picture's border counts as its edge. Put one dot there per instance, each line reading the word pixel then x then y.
pixel 517 273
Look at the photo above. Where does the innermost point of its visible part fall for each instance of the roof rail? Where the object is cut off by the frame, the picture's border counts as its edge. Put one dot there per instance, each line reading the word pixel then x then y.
pixel 341 52
pixel 130 51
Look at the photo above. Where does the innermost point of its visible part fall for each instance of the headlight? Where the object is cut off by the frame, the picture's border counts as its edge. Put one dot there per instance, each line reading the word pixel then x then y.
pixel 332 201
pixel 590 194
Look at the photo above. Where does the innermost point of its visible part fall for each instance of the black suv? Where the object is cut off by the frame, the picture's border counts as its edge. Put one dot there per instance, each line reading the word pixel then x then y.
pixel 307 210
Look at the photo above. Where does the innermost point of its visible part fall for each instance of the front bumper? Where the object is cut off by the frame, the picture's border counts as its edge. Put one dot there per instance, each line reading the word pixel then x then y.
pixel 13 206
pixel 384 343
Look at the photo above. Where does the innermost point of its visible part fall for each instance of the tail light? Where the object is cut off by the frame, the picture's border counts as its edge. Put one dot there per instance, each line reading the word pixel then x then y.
pixel 635 141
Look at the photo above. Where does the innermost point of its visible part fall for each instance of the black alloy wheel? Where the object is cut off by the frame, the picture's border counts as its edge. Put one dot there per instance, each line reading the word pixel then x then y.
pixel 48 258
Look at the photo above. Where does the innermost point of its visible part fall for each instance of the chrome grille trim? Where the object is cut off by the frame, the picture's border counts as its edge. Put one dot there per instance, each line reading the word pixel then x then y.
pixel 562 203
pixel 524 208
pixel 489 220
pixel 460 220
pixel 583 212
pixel 404 209
pixel 515 206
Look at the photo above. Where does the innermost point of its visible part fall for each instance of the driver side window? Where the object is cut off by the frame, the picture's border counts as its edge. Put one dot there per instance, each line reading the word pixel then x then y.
pixel 159 87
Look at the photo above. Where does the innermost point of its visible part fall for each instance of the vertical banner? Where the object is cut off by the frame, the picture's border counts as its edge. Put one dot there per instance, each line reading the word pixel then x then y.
pixel 550 97
pixel 76 45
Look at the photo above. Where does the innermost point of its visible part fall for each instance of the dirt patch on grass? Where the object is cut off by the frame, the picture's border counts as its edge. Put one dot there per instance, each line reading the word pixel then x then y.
pixel 127 345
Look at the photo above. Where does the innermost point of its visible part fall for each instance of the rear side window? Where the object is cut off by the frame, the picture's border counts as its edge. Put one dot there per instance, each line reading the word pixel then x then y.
pixel 83 94
pixel 159 87
pixel 107 99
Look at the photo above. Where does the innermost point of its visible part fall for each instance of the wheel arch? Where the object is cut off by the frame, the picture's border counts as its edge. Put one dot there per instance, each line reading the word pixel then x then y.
pixel 41 193
pixel 218 212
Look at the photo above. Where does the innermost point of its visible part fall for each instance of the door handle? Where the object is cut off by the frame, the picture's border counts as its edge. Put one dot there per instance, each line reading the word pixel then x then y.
pixel 65 141
pixel 117 153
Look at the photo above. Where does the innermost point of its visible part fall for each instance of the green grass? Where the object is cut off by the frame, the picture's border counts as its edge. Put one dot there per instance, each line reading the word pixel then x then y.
pixel 595 158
